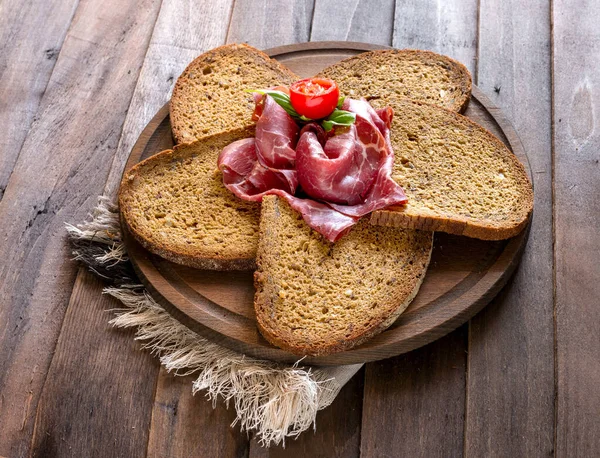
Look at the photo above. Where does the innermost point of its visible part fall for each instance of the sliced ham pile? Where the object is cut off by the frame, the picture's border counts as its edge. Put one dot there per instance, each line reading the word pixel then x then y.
pixel 332 179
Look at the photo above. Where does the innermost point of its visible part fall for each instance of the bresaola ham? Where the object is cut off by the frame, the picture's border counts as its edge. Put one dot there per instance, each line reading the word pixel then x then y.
pixel 332 179
pixel 253 166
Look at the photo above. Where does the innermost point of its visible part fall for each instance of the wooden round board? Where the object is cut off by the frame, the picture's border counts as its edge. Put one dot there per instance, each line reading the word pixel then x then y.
pixel 464 274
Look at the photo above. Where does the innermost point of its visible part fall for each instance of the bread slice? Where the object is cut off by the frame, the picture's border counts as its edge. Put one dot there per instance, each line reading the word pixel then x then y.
pixel 174 203
pixel 209 97
pixel 315 298
pixel 387 76
pixel 458 177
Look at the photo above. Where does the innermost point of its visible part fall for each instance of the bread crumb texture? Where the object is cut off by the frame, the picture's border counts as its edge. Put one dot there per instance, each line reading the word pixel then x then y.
pixel 384 77
pixel 458 177
pixel 176 205
pixel 314 297
pixel 211 94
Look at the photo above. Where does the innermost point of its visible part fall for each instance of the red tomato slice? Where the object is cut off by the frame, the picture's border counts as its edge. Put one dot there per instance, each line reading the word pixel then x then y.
pixel 314 98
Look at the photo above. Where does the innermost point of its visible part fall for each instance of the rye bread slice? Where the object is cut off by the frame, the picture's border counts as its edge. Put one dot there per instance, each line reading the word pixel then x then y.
pixel 387 76
pixel 210 95
pixel 459 178
pixel 174 203
pixel 314 297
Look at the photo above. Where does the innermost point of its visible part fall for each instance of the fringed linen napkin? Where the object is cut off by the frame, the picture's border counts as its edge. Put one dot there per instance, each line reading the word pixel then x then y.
pixel 274 400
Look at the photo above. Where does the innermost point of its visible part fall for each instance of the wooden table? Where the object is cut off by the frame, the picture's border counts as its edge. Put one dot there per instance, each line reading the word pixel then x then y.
pixel 79 80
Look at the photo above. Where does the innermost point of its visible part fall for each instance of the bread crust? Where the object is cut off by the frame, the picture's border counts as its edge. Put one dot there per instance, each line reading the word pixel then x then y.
pixel 460 73
pixel 179 124
pixel 478 228
pixel 176 252
pixel 396 302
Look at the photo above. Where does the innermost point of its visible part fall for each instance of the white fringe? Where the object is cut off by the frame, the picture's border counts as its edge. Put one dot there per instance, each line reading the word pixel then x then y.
pixel 276 401
pixel 103 227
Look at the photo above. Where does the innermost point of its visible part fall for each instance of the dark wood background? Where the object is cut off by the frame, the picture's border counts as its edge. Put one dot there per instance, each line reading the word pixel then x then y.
pixel 78 81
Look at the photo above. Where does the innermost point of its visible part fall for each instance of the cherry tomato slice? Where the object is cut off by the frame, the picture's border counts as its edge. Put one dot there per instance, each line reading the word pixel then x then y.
pixel 314 98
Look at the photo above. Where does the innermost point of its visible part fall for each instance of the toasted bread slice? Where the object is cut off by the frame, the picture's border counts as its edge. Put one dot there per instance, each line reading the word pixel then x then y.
pixel 210 95
pixel 459 178
pixel 174 203
pixel 314 297
pixel 387 76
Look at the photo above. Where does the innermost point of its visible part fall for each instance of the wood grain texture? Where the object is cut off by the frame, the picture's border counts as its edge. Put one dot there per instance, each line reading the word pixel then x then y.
pixel 332 436
pixel 177 416
pixel 99 389
pixel 337 432
pixel 191 426
pixel 446 27
pixel 354 20
pixel 414 415
pixel 29 46
pixel 177 39
pixel 577 218
pixel 264 24
pixel 83 109
pixel 510 403
pixel 414 403
pixel 62 167
pixel 170 436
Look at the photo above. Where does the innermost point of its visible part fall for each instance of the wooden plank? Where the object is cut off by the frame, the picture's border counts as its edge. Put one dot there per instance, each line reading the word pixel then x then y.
pixel 336 437
pixel 62 167
pixel 150 94
pixel 414 403
pixel 170 50
pixel 510 402
pixel 98 395
pixel 353 20
pixel 422 412
pixel 267 24
pixel 447 27
pixel 31 35
pixel 576 221
pixel 337 432
pixel 184 425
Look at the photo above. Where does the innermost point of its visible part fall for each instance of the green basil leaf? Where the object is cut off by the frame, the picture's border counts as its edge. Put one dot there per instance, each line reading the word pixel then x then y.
pixel 327 125
pixel 341 101
pixel 338 118
pixel 342 117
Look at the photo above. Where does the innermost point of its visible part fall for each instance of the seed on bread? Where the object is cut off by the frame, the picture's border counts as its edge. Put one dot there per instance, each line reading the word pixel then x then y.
pixel 210 95
pixel 389 75
pixel 314 297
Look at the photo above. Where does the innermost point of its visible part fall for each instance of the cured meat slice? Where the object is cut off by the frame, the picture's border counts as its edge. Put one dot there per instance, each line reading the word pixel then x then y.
pixel 246 177
pixel 340 171
pixel 344 175
pixel 352 171
pixel 328 222
pixel 343 170
pixel 276 136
